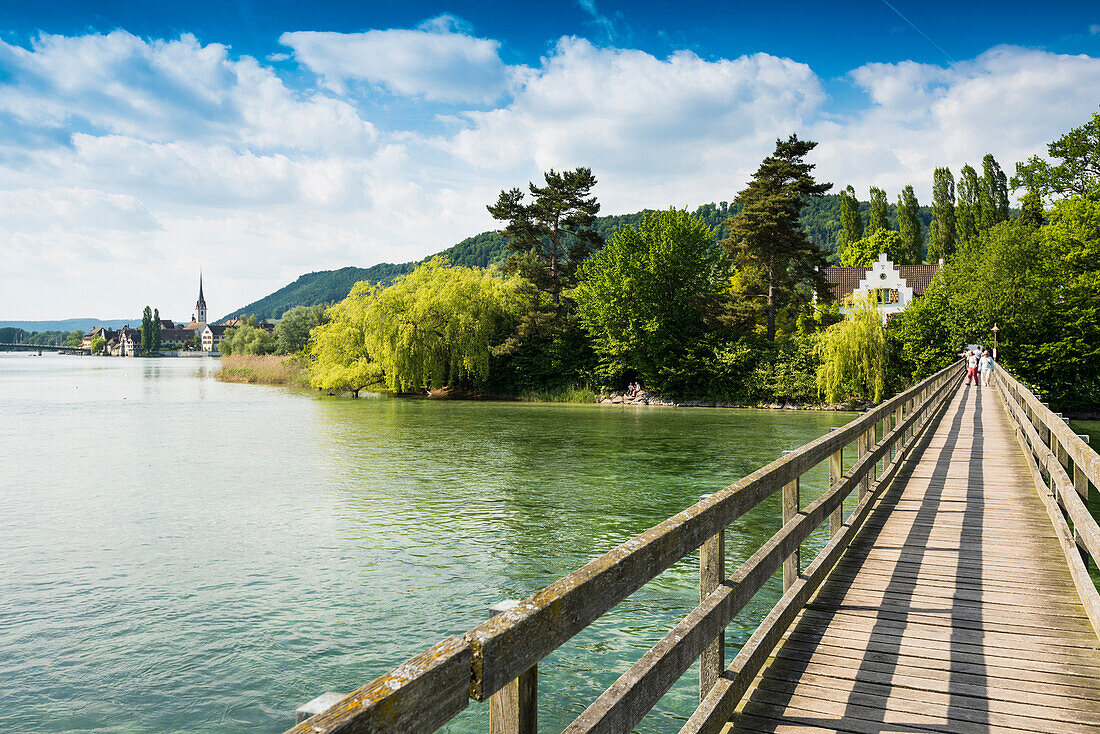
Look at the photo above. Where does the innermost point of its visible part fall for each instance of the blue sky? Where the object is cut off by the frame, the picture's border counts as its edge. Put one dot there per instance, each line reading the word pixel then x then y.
pixel 260 140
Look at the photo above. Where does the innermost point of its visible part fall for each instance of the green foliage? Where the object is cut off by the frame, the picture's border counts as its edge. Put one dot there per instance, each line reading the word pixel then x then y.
pixel 850 217
pixel 879 220
pixel 97 344
pixel 765 235
pixel 644 298
pixel 1078 173
pixel 994 193
pixel 968 208
pixel 551 236
pixel 1031 211
pixel 323 287
pixel 338 349
pixel 864 252
pixel 853 355
pixel 292 331
pixel 248 338
pixel 909 227
pixel 156 329
pixel 147 328
pixel 943 205
pixel 434 327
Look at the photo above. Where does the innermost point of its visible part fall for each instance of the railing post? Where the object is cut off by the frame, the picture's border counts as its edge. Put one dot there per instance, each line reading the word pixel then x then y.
pixel 514 708
pixel 836 470
pixel 792 566
pixel 899 418
pixel 712 570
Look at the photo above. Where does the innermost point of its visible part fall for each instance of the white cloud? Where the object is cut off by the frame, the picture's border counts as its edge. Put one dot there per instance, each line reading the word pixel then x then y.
pixel 1009 101
pixel 437 61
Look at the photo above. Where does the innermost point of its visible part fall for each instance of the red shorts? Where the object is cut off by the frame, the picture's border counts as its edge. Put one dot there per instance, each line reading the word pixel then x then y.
pixel 971 373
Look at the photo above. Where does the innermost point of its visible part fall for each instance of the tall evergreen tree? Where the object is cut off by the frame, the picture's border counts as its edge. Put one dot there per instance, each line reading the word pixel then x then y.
pixel 553 234
pixel 147 330
pixel 909 226
pixel 995 183
pixel 879 220
pixel 943 207
pixel 156 329
pixel 968 208
pixel 850 218
pixel 766 233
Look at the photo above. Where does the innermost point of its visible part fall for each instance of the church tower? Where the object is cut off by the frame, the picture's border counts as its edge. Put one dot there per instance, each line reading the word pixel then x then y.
pixel 200 305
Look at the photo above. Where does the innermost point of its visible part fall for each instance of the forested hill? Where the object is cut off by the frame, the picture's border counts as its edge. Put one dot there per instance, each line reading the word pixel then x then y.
pixel 820 220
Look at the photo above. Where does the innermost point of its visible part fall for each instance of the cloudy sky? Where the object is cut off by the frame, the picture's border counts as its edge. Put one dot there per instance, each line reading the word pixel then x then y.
pixel 260 140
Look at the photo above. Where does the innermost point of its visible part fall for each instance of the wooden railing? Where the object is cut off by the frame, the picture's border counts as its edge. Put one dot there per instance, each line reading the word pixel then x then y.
pixel 498 659
pixel 1063 465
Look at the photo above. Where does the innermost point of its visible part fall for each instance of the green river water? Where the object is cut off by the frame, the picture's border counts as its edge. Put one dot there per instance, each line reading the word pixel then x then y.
pixel 179 554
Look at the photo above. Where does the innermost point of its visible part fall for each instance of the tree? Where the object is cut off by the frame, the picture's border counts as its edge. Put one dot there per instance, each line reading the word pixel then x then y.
pixel 909 228
pixel 1031 211
pixel 864 252
pixel 968 210
pixel 156 329
pixel 995 188
pixel 147 330
pixel 248 338
pixel 340 359
pixel 766 234
pixel 943 207
pixel 879 220
pixel 850 218
pixel 553 234
pixel 97 344
pixel 1077 174
pixel 853 355
pixel 292 331
pixel 645 298
pixel 435 326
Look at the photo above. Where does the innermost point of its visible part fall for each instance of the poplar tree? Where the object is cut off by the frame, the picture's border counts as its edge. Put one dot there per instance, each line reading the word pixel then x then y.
pixel 943 206
pixel 766 233
pixel 156 329
pixel 850 218
pixel 909 226
pixel 995 188
pixel 879 220
pixel 968 210
pixel 147 330
pixel 1031 211
pixel 553 234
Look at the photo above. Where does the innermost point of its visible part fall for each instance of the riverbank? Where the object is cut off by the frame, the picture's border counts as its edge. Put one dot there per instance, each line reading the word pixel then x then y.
pixel 646 397
pixel 269 369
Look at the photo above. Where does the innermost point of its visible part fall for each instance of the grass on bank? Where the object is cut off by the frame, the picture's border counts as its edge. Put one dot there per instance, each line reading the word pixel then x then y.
pixel 563 394
pixel 269 369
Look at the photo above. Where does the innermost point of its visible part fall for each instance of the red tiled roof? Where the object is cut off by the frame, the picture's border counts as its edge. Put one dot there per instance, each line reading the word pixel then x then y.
pixel 842 281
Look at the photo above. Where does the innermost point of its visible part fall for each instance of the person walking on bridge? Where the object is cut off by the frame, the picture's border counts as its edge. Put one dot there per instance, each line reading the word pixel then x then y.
pixel 971 358
pixel 986 366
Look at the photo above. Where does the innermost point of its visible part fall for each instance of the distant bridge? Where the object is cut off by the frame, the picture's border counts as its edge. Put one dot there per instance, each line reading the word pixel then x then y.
pixel 954 597
pixel 39 348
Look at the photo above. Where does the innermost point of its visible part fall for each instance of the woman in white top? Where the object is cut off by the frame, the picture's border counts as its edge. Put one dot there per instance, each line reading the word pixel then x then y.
pixel 986 364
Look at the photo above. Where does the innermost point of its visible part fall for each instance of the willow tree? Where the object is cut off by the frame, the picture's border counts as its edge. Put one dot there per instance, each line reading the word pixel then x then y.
pixel 338 348
pixel 853 355
pixel 434 327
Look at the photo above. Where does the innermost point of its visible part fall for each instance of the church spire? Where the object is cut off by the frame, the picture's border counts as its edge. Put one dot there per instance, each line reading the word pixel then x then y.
pixel 200 305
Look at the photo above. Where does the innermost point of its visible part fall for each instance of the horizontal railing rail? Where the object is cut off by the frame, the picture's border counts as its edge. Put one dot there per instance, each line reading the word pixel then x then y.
pixel 1063 465
pixel 488 660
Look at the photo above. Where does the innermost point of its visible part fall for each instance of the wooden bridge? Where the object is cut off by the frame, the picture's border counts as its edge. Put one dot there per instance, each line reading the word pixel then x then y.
pixel 954 597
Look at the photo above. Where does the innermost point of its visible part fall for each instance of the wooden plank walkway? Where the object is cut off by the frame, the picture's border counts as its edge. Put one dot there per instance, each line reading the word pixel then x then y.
pixel 953 611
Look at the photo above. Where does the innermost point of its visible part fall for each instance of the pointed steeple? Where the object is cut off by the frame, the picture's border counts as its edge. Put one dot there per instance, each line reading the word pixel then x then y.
pixel 200 305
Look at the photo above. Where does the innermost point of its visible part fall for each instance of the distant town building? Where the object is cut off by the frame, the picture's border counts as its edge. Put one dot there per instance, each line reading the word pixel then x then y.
pixel 893 286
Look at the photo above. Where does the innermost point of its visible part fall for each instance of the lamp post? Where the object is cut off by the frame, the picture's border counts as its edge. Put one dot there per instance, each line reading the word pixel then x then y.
pixel 994 330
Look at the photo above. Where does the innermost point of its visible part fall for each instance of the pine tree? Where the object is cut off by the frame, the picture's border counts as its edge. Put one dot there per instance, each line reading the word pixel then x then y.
pixel 879 220
pixel 553 234
pixel 968 208
pixel 909 226
pixel 766 233
pixel 943 207
pixel 850 218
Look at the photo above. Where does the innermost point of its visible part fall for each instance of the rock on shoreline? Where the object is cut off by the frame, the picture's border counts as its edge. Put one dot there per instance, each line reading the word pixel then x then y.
pixel 648 397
